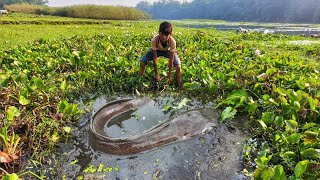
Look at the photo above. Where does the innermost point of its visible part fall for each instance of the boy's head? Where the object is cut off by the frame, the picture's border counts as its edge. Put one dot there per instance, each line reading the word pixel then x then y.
pixel 165 30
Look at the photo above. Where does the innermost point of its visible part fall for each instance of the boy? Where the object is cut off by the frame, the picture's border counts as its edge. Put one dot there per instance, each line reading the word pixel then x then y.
pixel 162 45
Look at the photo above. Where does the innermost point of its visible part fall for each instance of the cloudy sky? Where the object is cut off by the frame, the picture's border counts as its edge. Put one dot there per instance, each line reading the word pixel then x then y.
pixel 55 3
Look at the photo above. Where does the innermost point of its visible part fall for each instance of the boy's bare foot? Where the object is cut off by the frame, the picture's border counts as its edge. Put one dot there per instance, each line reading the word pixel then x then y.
pixel 156 77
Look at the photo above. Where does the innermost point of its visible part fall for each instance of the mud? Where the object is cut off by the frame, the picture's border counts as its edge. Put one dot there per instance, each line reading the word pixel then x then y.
pixel 178 128
pixel 213 155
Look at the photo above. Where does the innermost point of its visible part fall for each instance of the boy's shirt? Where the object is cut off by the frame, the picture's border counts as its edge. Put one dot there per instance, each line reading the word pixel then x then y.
pixel 156 44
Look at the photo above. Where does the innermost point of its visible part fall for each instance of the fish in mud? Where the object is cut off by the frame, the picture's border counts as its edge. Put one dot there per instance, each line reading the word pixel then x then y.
pixel 182 127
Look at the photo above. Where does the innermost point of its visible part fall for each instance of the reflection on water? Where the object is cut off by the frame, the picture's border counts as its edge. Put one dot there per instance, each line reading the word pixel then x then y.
pixel 135 121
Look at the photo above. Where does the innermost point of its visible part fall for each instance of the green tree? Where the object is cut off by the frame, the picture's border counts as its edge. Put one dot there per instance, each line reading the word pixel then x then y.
pixel 306 11
pixel 7 2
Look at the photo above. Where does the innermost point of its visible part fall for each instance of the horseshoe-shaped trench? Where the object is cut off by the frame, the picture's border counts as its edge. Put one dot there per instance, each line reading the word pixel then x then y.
pixel 154 129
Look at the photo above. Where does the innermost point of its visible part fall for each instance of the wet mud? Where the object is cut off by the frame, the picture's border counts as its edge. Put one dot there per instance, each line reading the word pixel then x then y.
pixel 117 113
pixel 213 155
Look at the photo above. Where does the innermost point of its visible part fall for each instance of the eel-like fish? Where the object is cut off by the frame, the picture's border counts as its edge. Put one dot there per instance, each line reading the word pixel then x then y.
pixel 179 128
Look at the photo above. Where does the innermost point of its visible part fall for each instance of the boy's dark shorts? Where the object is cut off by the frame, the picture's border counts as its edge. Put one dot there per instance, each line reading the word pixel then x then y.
pixel 149 56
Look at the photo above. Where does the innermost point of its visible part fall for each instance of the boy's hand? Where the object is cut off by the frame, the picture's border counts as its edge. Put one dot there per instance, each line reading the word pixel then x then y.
pixel 157 77
pixel 169 80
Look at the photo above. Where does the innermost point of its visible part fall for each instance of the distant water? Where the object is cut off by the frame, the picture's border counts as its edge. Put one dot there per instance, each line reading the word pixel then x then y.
pixel 289 29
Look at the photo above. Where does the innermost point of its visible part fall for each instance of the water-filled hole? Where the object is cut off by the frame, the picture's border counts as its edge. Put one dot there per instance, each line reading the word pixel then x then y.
pixel 135 121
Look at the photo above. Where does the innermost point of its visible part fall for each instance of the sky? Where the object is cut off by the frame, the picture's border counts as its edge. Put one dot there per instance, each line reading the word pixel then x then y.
pixel 57 3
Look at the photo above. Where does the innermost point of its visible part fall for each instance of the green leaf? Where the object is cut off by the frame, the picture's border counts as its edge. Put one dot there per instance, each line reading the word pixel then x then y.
pixel 186 85
pixel 195 85
pixel 74 109
pixel 280 91
pixel 107 169
pixel 39 83
pixel 100 168
pixel 283 100
pixel 12 112
pixel 271 71
pixel 312 103
pixel 279 121
pixel 4 79
pixel 116 168
pixel 279 173
pixel 82 53
pixel 90 169
pixel 300 168
pixel 310 137
pixel 300 85
pixel 228 113
pixel 266 97
pixel 263 173
pixel 273 102
pixel 63 85
pixel 55 137
pixel 166 108
pixel 292 95
pixel 237 97
pixel 146 84
pixel 308 125
pixel 268 117
pixel 4 139
pixel 294 138
pixel 164 73
pixel 295 106
pixel 67 129
pixel 263 160
pixel 68 109
pixel 62 105
pixel 291 124
pixel 73 162
pixel 263 125
pixel 289 155
pixel 183 103
pixel 137 92
pixel 23 101
pixel 12 176
pixel 276 138
pixel 311 153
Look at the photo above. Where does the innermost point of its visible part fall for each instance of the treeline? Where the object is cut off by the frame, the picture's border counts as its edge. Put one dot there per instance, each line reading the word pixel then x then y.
pixel 82 11
pixel 8 2
pixel 291 11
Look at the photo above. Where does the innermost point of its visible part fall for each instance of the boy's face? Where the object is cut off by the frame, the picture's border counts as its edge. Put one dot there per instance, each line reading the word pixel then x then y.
pixel 164 37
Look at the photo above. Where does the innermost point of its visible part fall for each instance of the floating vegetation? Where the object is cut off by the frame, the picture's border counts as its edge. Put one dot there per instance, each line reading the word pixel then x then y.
pixel 278 87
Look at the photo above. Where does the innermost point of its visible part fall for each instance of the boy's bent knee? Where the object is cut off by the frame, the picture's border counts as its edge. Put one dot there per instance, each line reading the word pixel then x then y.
pixel 178 67
pixel 142 68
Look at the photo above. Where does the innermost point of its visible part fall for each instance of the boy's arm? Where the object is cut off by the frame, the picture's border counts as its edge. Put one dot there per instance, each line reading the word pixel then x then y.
pixel 155 65
pixel 170 67
pixel 172 51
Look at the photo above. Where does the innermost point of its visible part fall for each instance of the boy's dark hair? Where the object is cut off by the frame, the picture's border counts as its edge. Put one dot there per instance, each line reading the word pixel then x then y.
pixel 165 27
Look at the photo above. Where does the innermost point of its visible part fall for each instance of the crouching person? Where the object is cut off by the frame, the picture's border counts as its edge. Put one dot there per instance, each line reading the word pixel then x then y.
pixel 162 45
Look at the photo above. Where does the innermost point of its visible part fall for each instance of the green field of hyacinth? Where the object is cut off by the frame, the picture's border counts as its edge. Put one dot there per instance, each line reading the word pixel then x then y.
pixel 45 69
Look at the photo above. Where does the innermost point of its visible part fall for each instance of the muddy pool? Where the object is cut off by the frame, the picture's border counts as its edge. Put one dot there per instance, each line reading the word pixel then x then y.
pixel 215 154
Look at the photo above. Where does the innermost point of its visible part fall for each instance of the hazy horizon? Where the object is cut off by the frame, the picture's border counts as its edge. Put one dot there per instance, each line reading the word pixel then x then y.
pixel 59 3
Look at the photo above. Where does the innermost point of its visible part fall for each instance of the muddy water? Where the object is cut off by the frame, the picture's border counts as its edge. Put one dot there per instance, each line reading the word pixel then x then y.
pixel 136 121
pixel 214 155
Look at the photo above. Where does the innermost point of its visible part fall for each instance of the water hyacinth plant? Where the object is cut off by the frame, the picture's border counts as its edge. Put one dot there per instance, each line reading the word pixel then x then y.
pixel 276 83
